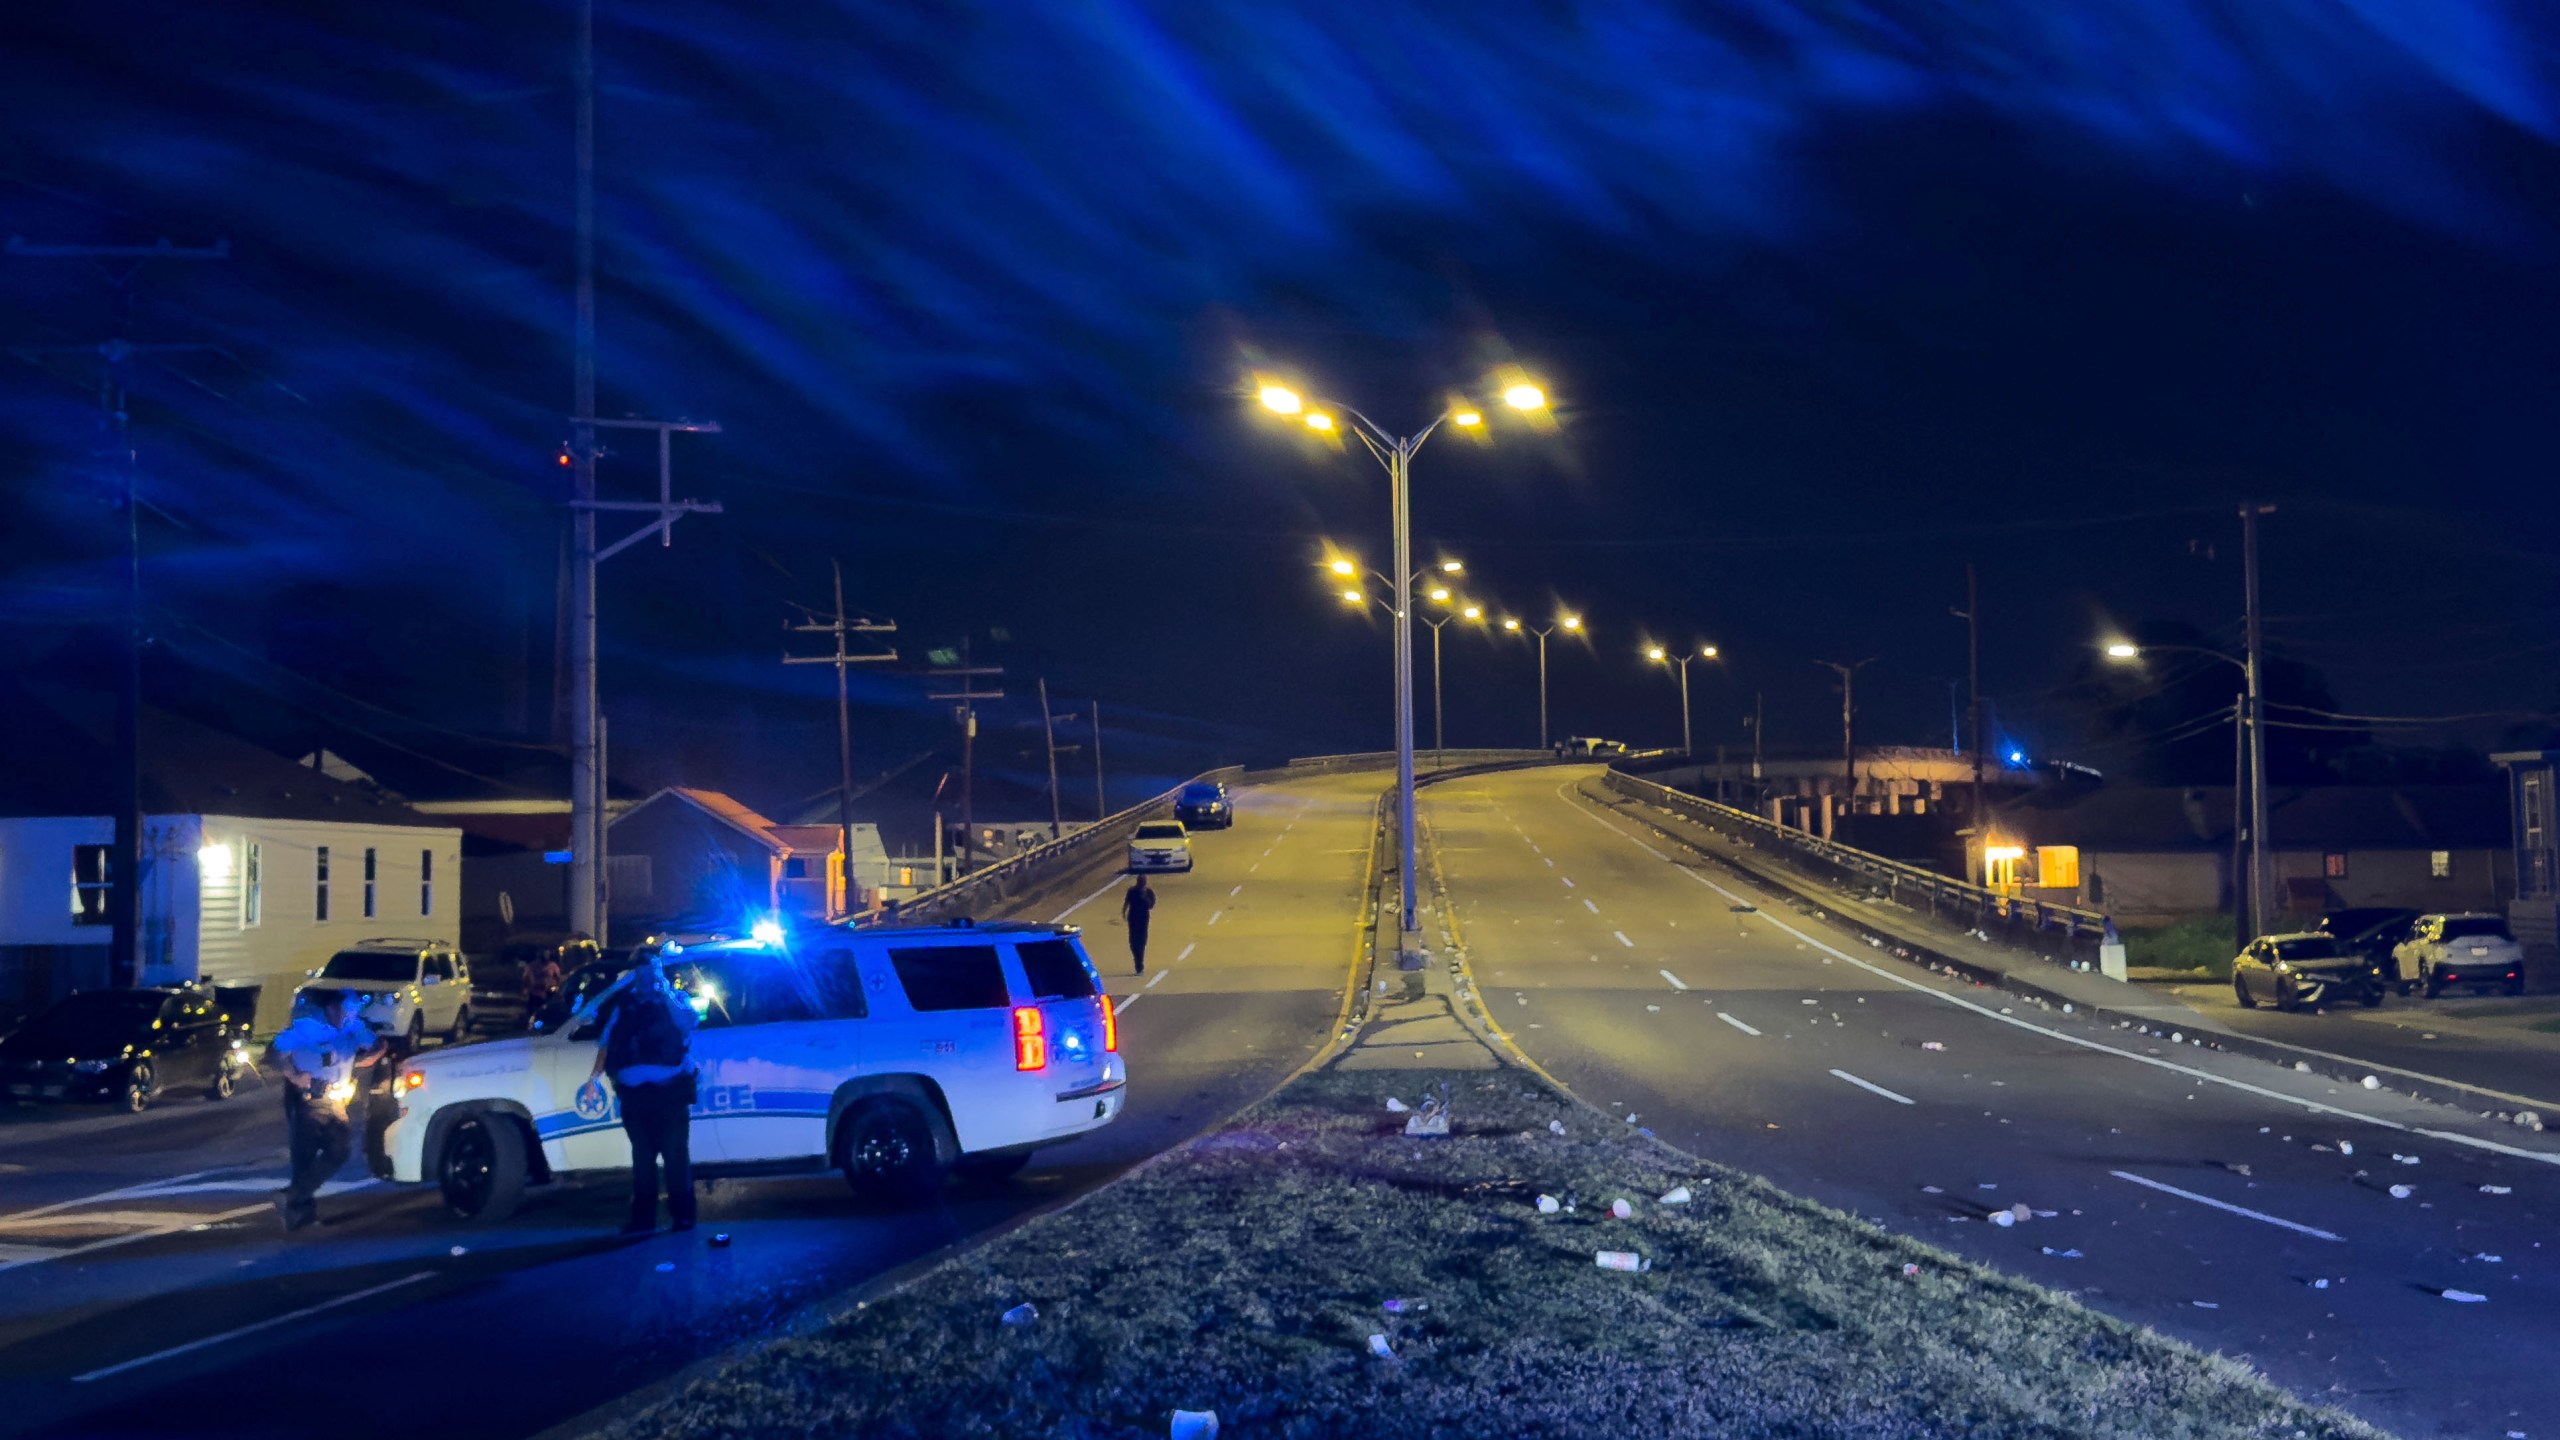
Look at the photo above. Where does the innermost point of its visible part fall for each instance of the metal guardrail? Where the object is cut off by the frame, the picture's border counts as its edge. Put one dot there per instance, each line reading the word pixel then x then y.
pixel 1020 874
pixel 1423 760
pixel 1904 884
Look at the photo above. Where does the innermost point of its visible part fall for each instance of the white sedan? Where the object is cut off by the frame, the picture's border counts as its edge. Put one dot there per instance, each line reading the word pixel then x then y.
pixel 1160 845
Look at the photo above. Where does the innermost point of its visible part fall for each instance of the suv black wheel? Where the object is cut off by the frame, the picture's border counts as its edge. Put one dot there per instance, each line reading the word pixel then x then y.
pixel 2433 983
pixel 884 1145
pixel 2286 999
pixel 481 1170
pixel 461 1030
pixel 416 1039
pixel 988 1169
pixel 2240 992
pixel 137 1087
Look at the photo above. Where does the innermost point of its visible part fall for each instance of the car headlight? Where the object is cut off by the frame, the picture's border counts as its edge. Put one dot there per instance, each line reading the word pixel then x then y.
pixel 91 1067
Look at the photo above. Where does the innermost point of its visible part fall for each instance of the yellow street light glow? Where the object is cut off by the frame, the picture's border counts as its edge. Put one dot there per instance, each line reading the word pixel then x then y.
pixel 1352 597
pixel 1707 653
pixel 1466 417
pixel 1452 567
pixel 1510 624
pixel 1525 397
pixel 2122 651
pixel 1440 593
pixel 1655 653
pixel 1473 612
pixel 1281 400
pixel 1319 421
pixel 1343 567
pixel 1573 622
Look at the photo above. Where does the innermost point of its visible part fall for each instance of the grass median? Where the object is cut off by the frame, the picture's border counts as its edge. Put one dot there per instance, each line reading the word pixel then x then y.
pixel 1247 1272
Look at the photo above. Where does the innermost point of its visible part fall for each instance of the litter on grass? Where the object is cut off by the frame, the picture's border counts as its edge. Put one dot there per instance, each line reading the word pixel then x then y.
pixel 2206 1304
pixel 1932 1045
pixel 2064 1254
pixel 1022 1314
pixel 1621 1210
pixel 2402 1192
pixel 1195 1425
pixel 1379 1347
pixel 720 1241
pixel 2371 1082
pixel 1910 1271
pixel 1621 1260
pixel 1676 1195
pixel 1557 1126
pixel 1405 1307
pixel 2003 1219
pixel 2462 1297
pixel 1396 1106
pixel 2497 1189
pixel 2405 1159
pixel 1548 1205
pixel 2346 1147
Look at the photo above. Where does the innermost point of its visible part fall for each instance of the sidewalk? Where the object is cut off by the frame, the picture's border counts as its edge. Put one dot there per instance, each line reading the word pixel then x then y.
pixel 2504 1065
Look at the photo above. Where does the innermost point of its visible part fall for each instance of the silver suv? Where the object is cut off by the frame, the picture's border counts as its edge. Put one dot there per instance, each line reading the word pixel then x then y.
pixel 410 988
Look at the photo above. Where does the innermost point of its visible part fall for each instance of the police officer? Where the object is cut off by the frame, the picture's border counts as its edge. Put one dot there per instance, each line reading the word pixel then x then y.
pixel 647 1050
pixel 320 1051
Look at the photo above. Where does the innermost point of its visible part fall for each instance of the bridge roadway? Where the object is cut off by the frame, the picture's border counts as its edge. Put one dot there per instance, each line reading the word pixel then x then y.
pixel 2204 1194
pixel 125 1240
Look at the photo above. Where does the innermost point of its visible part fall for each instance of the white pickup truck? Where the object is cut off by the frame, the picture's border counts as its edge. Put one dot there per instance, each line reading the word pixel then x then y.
pixel 897 1055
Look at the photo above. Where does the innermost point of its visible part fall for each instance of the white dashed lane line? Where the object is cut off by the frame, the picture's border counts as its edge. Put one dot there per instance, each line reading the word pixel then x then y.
pixel 1872 1087
pixel 1235 892
pixel 1594 909
pixel 1214 914
pixel 266 1324
pixel 1159 979
pixel 1187 949
pixel 1568 881
pixel 1727 1017
pixel 1676 982
pixel 1621 934
pixel 2315 1234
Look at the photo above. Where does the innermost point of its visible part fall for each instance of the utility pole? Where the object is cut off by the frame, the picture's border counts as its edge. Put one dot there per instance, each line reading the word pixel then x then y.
pixel 968 696
pixel 1848 728
pixel 586 780
pixel 2261 881
pixel 842 627
pixel 1759 727
pixel 1049 737
pixel 124 854
pixel 1971 615
pixel 1101 811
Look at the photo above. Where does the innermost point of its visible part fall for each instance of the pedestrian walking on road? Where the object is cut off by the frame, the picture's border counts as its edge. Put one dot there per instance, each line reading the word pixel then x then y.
pixel 647 1049
pixel 1137 907
pixel 320 1051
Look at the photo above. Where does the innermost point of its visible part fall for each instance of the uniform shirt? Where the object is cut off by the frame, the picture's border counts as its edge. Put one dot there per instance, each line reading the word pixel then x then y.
pixel 686 1021
pixel 312 1046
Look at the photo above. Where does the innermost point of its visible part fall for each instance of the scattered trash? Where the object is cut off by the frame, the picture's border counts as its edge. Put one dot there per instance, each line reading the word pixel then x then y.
pixel 2529 1119
pixel 1744 909
pixel 2405 1159
pixel 1405 1307
pixel 666 1267
pixel 1396 1106
pixel 2064 1254
pixel 1557 1126
pixel 1676 1195
pixel 1621 1210
pixel 2206 1304
pixel 1548 1205
pixel 1195 1425
pixel 720 1240
pixel 1931 1190
pixel 1911 1271
pixel 2463 1297
pixel 2177 1037
pixel 2372 1082
pixel 2003 1219
pixel 2243 1171
pixel 1022 1314
pixel 1432 1118
pixel 1813 1002
pixel 1932 1045
pixel 1988 1185
pixel 2345 1147
pixel 2490 1259
pixel 2320 1284
pixel 2402 1192
pixel 2066 1009
pixel 2497 1190
pixel 2019 1211
pixel 1648 1007
pixel 2263 1129
pixel 459 1251
pixel 1379 1347
pixel 1621 1260
pixel 2302 1065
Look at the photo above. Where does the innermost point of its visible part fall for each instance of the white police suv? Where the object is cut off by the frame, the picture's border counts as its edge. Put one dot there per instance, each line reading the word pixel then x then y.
pixel 898 1055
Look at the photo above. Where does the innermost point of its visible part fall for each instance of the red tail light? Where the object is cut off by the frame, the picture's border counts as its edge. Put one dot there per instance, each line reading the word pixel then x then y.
pixel 1110 1025
pixel 1030 1039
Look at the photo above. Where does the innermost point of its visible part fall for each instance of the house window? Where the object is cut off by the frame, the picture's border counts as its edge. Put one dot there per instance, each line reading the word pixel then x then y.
pixel 426 882
pixel 2334 866
pixel 320 883
pixel 2440 864
pixel 252 887
pixel 2058 867
pixel 368 882
pixel 91 885
pixel 795 868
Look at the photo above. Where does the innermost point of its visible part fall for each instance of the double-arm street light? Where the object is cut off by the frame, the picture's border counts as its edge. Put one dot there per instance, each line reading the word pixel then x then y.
pixel 1569 623
pixel 1660 656
pixel 2248 717
pixel 1396 453
pixel 1441 596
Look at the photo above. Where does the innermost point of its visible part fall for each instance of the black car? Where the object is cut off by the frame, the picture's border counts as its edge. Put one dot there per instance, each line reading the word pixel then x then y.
pixel 2308 969
pixel 128 1047
pixel 1204 805
pixel 583 984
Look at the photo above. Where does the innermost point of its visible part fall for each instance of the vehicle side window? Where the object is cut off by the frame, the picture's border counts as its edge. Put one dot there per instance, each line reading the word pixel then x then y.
pixel 1055 970
pixel 950 977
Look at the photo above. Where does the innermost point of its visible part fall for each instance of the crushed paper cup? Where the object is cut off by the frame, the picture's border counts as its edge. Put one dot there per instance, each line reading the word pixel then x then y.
pixel 2463 1297
pixel 1195 1425
pixel 1621 1210
pixel 1620 1260
pixel 1676 1195
pixel 1548 1205
pixel 2402 1192
pixel 1932 1045
pixel 1910 1270
pixel 2003 1219
pixel 1022 1314
pixel 1555 1127
pixel 2371 1082
pixel 2346 1147
pixel 1379 1347
pixel 1396 1106
pixel 2020 1211
pixel 2497 1190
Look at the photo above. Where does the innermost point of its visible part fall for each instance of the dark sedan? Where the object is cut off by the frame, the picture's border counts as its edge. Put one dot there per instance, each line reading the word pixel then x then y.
pixel 127 1047
pixel 1204 805
pixel 2298 970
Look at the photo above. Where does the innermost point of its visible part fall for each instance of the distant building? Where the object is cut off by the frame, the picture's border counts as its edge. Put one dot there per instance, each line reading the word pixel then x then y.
pixel 253 871
pixel 698 857
pixel 2534 913
pixel 2154 854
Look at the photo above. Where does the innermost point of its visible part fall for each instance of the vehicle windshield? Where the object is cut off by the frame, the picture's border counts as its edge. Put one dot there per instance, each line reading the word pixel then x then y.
pixel 96 1023
pixel 2476 927
pixel 1160 830
pixel 371 965
pixel 2307 947
pixel 1199 794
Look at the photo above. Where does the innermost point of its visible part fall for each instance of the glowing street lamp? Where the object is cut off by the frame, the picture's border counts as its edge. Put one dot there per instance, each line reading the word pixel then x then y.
pixel 1571 624
pixel 1660 656
pixel 1396 452
pixel 2244 716
pixel 2123 651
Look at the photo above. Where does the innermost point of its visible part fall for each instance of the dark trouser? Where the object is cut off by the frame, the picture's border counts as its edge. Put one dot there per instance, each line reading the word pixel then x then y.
pixel 659 1120
pixel 1138 945
pixel 319 1140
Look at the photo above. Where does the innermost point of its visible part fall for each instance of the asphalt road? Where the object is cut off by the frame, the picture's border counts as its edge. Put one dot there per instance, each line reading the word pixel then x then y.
pixel 2427 1037
pixel 2204 1194
pixel 145 1289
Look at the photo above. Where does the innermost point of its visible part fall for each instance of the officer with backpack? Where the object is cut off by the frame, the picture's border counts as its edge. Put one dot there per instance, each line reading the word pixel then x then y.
pixel 647 1050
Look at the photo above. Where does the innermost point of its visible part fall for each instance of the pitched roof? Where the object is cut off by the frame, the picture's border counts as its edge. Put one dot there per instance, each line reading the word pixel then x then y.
pixel 62 756
pixel 2317 817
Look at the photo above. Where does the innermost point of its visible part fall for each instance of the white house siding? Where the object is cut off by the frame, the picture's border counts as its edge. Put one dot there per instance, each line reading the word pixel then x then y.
pixel 288 938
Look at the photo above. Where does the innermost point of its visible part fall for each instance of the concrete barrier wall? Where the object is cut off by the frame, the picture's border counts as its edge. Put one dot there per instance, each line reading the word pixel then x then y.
pixel 982 892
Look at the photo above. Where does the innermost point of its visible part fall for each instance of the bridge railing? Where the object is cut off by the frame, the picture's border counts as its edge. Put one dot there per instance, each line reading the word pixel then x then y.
pixel 2011 917
pixel 980 891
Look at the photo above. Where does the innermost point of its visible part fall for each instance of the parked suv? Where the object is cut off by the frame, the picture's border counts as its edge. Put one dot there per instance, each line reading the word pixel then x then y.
pixel 409 988
pixel 897 1055
pixel 1203 805
pixel 2471 949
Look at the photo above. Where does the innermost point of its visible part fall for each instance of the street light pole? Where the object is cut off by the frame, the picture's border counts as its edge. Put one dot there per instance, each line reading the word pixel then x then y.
pixel 2249 886
pixel 2261 878
pixel 1542 686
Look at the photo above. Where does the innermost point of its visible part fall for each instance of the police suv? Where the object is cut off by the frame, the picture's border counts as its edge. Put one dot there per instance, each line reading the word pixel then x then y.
pixel 897 1055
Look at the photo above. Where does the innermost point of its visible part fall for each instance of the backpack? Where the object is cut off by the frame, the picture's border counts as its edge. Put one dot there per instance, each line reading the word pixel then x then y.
pixel 644 1033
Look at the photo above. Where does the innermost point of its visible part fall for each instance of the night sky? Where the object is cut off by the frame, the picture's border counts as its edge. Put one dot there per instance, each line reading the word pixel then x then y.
pixel 1832 297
